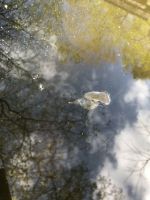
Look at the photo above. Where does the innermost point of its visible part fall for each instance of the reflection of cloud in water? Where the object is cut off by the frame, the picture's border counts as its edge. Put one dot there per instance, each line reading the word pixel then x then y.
pixel 36 58
pixel 138 93
pixel 132 147
pixel 48 70
pixel 75 136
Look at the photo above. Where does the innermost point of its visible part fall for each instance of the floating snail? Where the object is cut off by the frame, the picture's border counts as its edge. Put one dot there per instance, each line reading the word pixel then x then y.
pixel 92 100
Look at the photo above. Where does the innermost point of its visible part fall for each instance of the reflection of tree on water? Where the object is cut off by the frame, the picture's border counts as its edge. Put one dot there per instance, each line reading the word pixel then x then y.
pixel 113 30
pixel 41 137
pixel 48 136
pixel 49 142
pixel 140 8
pixel 45 137
pixel 39 153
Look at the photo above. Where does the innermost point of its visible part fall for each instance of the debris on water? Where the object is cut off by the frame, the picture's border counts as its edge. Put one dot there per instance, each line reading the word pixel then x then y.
pixel 85 103
pixel 41 87
pixel 102 97
pixel 92 100
pixel 5 6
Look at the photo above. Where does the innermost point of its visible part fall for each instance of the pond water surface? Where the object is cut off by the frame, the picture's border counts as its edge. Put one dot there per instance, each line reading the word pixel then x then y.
pixel 52 54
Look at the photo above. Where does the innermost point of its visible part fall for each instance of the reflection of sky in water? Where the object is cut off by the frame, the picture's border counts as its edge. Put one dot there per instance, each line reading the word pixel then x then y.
pixel 104 139
pixel 115 134
pixel 111 140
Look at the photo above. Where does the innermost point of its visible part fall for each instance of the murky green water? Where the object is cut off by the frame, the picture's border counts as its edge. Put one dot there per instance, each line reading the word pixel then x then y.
pixel 52 53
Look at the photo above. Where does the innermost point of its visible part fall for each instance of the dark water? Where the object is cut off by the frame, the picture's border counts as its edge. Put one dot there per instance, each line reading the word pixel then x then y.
pixel 53 150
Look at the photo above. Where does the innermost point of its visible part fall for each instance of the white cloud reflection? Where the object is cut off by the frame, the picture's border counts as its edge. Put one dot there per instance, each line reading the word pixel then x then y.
pixel 138 93
pixel 132 147
pixel 31 58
